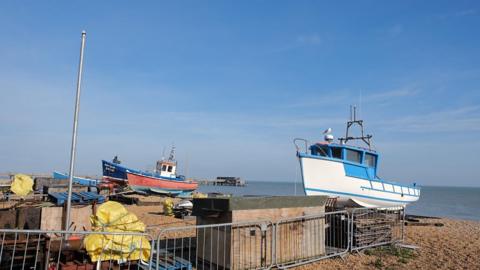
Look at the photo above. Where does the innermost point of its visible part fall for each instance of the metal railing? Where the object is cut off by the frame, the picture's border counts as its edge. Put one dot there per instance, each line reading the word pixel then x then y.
pixel 36 249
pixel 298 148
pixel 283 244
pixel 372 227
pixel 245 245
pixel 308 239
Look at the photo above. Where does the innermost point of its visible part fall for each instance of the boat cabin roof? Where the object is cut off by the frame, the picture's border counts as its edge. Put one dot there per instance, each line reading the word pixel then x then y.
pixel 346 153
pixel 167 162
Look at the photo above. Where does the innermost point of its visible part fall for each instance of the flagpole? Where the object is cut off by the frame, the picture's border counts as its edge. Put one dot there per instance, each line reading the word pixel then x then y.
pixel 74 135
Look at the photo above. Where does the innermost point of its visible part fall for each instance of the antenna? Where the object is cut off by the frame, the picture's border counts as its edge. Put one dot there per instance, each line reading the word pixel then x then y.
pixel 354 121
pixel 172 153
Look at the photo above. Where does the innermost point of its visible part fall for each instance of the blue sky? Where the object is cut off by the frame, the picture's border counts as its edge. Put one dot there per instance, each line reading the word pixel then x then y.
pixel 231 83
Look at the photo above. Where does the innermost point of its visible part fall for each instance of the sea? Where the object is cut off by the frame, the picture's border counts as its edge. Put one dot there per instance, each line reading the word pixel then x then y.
pixel 450 202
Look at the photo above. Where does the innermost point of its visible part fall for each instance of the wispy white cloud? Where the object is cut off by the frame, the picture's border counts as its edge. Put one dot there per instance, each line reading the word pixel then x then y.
pixel 406 91
pixel 320 101
pixel 458 14
pixel 466 12
pixel 453 120
pixel 348 96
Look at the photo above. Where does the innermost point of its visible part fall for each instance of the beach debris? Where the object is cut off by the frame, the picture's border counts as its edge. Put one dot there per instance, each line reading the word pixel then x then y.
pixel 113 217
pixel 182 208
pixel 22 185
pixel 415 220
pixel 436 224
pixel 407 246
pixel 420 217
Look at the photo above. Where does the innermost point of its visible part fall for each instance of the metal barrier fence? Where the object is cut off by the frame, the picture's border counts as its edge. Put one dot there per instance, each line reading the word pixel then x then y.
pixel 307 239
pixel 35 249
pixel 248 245
pixel 372 227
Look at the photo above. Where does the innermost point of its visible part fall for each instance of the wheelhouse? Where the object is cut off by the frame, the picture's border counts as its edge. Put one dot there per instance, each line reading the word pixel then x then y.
pixel 167 168
pixel 351 155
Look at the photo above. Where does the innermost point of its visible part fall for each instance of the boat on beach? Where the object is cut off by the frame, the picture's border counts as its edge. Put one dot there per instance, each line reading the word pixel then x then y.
pixel 164 180
pixel 149 184
pixel 78 180
pixel 348 173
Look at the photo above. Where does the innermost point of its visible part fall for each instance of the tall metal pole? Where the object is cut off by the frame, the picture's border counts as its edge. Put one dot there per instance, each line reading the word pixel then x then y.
pixel 74 135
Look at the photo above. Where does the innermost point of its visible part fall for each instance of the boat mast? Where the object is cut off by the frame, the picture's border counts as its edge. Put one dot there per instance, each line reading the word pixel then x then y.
pixel 172 154
pixel 353 121
pixel 74 136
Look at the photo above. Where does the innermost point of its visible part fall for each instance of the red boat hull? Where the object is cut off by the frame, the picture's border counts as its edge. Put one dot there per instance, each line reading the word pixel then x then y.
pixel 143 181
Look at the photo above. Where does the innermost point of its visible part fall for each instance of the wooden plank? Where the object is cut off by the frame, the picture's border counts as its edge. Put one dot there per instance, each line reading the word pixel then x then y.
pixel 51 218
pixel 8 219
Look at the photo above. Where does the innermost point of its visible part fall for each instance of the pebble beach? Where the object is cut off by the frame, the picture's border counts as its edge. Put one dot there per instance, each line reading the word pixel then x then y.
pixel 455 245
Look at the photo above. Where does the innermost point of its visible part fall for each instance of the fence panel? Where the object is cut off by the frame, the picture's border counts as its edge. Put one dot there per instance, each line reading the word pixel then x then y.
pixel 247 245
pixel 36 249
pixel 375 227
pixel 307 239
pixel 218 246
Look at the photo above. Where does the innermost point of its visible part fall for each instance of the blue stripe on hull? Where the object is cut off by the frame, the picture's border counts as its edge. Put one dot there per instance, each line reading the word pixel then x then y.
pixel 172 192
pixel 357 195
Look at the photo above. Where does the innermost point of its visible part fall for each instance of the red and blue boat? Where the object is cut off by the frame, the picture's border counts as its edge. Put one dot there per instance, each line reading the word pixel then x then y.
pixel 163 180
pixel 148 184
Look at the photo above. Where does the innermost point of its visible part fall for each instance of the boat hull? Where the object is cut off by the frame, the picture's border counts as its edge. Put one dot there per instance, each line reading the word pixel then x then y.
pixel 148 184
pixel 115 172
pixel 329 177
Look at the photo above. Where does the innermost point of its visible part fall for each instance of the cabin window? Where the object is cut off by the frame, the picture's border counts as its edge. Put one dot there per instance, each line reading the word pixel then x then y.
pixel 320 151
pixel 337 152
pixel 370 160
pixel 169 168
pixel 164 168
pixel 353 156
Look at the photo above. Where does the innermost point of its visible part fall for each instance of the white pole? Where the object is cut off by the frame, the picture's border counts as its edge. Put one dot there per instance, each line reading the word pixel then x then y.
pixel 74 135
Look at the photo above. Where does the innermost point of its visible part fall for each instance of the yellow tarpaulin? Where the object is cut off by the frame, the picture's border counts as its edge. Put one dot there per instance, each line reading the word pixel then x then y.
pixel 168 207
pixel 113 217
pixel 22 185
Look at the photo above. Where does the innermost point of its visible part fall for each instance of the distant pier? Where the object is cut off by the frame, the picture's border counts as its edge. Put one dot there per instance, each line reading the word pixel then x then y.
pixel 224 181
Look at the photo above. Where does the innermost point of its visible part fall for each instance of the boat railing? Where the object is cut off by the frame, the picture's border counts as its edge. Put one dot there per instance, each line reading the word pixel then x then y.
pixel 298 148
pixel 403 188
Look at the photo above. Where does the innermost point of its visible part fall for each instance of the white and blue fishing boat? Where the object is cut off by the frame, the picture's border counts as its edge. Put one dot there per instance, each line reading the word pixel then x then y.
pixel 348 173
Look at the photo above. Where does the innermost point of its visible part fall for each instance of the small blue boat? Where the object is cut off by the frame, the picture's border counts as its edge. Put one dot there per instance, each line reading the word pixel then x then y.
pixel 76 179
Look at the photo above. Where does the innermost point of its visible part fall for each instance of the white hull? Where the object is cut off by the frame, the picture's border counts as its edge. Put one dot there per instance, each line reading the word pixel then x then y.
pixel 328 177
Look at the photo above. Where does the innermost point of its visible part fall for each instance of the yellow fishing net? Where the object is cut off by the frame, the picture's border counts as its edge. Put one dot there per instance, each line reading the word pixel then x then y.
pixel 22 185
pixel 113 217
